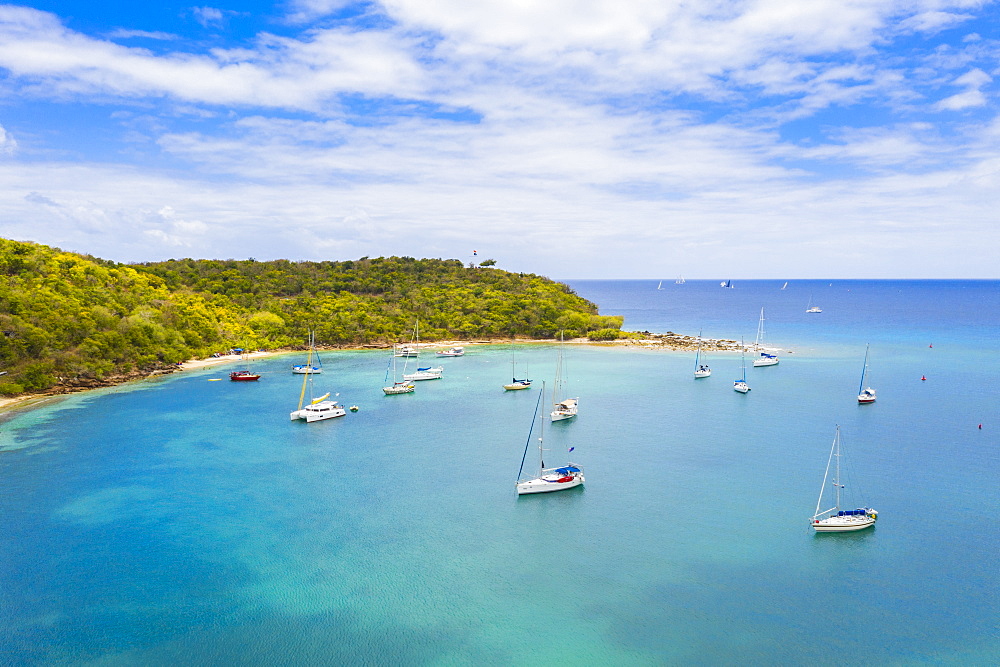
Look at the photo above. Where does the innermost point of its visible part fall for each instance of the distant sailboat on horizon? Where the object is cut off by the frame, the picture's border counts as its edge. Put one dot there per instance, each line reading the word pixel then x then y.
pixel 785 286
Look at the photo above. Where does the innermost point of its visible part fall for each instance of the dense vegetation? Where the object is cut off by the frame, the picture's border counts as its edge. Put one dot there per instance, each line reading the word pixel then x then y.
pixel 67 318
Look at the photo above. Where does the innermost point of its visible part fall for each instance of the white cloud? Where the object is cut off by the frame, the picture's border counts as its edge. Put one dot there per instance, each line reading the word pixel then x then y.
pixel 7 143
pixel 973 81
pixel 121 33
pixel 574 124
pixel 208 16
pixel 283 73
pixel 933 21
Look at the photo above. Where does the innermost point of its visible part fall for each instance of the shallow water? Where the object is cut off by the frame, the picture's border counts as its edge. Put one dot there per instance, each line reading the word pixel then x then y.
pixel 182 520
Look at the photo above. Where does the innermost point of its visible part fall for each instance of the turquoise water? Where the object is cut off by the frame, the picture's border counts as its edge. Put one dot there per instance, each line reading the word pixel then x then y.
pixel 188 521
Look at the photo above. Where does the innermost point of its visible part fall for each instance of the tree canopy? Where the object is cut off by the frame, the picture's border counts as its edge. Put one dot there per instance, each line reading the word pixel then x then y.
pixel 66 317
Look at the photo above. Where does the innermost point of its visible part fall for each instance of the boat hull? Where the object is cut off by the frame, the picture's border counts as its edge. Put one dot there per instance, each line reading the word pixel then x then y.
pixel 842 524
pixel 244 377
pixel 702 374
pixel 548 484
pixel 302 370
pixel 741 387
pixel 398 389
pixel 430 374
pixel 560 415
pixel 318 412
pixel 515 386
pixel 765 362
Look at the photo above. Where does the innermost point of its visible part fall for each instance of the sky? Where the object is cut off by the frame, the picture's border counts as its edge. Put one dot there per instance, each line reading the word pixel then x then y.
pixel 569 138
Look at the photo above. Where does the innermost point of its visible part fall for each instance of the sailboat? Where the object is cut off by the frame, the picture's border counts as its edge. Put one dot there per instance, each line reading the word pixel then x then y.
pixel 836 520
pixel 765 359
pixel 865 394
pixel 785 286
pixel 701 370
pixel 811 308
pixel 245 375
pixel 680 280
pixel 428 373
pixel 660 286
pixel 566 408
pixel 412 350
pixel 397 386
pixel 515 384
pixel 548 479
pixel 310 367
pixel 741 384
pixel 318 409
pixel 727 283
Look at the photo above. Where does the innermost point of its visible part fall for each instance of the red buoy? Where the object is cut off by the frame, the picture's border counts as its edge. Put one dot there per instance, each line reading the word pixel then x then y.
pixel 923 377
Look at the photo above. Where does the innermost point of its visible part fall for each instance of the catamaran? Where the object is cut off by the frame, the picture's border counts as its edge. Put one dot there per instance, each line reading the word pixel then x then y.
pixel 548 479
pixel 836 520
pixel 318 409
pixel 865 394
pixel 765 359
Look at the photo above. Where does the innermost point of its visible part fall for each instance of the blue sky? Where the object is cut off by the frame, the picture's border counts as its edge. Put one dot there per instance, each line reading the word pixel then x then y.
pixel 584 138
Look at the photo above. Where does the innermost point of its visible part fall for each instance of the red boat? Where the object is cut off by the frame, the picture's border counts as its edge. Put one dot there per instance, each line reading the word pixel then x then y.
pixel 244 376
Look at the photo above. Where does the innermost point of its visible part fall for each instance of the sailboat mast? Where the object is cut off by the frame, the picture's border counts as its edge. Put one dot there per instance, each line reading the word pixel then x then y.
pixel 302 394
pixel 697 355
pixel 836 482
pixel 541 438
pixel 826 475
pixel 861 386
pixel 534 416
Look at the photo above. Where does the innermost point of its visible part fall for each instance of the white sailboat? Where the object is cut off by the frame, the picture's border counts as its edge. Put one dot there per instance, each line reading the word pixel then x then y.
pixel 865 394
pixel 319 408
pixel 701 370
pixel 680 280
pixel 428 373
pixel 451 352
pixel 765 358
pixel 836 520
pixel 397 386
pixel 811 308
pixel 309 366
pixel 660 286
pixel 567 407
pixel 741 384
pixel 515 384
pixel 547 479
pixel 785 286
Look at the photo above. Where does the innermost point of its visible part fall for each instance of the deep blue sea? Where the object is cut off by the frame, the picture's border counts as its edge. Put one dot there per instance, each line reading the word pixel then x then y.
pixel 186 521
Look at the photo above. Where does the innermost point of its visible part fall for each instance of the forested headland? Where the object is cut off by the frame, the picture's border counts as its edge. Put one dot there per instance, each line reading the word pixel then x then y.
pixel 75 320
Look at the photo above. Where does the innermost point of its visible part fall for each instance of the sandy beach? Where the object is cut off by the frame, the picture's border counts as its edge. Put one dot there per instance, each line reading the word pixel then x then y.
pixel 669 342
